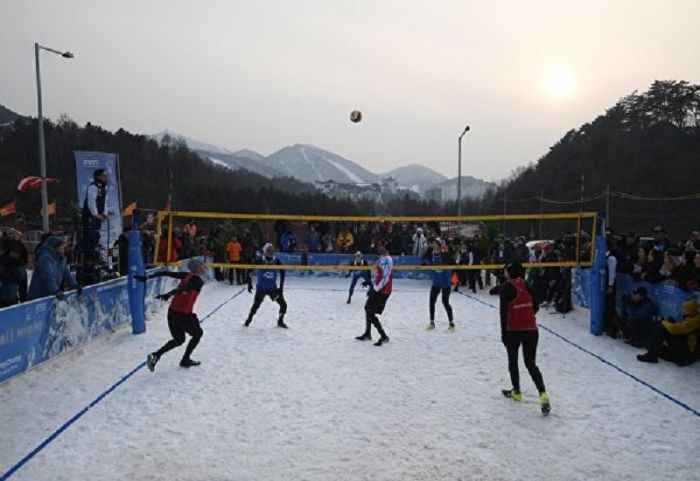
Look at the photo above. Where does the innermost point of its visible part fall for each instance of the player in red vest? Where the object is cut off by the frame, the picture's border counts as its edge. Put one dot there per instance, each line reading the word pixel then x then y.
pixel 181 319
pixel 519 326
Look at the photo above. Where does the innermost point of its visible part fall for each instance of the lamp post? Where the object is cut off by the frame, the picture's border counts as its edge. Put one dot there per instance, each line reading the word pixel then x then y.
pixel 459 173
pixel 40 123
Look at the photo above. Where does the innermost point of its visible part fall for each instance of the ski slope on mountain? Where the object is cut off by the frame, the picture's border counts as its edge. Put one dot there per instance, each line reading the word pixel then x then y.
pixel 312 403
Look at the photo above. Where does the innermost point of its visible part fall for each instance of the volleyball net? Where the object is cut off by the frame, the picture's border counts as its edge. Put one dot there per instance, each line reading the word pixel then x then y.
pixel 323 242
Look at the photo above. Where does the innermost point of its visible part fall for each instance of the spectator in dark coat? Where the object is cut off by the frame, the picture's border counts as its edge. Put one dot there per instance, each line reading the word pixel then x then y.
pixel 13 272
pixel 51 274
pixel 638 313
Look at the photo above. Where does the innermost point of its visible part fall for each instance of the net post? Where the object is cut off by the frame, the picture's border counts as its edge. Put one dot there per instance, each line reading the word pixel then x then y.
pixel 597 286
pixel 170 239
pixel 136 290
pixel 159 224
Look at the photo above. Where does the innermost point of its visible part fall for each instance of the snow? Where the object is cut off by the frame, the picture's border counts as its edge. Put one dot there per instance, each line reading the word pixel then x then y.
pixel 220 162
pixel 311 164
pixel 312 403
pixel 353 177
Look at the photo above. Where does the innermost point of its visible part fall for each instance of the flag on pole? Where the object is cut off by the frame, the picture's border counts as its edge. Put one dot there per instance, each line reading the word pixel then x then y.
pixel 167 207
pixel 32 183
pixel 129 209
pixel 8 209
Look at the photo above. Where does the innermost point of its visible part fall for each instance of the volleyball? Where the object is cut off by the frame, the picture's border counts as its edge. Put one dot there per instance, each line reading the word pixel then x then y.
pixel 355 116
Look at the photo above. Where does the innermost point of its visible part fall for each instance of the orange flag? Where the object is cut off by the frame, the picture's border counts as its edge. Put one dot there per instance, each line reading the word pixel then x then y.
pixel 51 209
pixel 8 209
pixel 129 209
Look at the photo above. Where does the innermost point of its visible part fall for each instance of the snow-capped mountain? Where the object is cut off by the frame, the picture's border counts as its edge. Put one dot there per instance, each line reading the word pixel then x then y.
pixel 192 143
pixel 234 162
pixel 416 177
pixel 308 163
pixel 311 164
pixel 249 154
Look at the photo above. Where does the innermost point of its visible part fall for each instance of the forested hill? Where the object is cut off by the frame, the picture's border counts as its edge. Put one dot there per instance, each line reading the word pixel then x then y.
pixel 648 144
pixel 146 165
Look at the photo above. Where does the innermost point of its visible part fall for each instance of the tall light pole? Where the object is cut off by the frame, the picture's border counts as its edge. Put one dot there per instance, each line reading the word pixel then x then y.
pixel 40 123
pixel 459 173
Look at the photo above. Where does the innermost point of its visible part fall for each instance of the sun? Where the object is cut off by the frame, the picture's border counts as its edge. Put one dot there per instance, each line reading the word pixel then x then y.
pixel 560 84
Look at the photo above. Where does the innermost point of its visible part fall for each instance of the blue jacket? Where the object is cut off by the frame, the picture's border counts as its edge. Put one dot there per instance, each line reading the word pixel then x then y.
pixel 642 311
pixel 50 273
pixel 441 279
pixel 288 241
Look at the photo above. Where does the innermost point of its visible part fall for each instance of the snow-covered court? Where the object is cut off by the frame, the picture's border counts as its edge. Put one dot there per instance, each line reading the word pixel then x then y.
pixel 312 403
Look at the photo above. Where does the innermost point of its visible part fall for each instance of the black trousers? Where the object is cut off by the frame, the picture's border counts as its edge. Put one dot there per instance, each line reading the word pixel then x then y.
pixel 528 339
pixel 179 325
pixel 239 274
pixel 376 302
pixel 610 312
pixel 434 292
pixel 274 294
pixel 474 277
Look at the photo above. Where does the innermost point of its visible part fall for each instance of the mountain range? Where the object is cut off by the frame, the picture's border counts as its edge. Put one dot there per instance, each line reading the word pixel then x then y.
pixel 313 164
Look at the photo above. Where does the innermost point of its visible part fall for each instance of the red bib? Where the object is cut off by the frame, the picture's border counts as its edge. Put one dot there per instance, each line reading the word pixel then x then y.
pixel 521 316
pixel 184 301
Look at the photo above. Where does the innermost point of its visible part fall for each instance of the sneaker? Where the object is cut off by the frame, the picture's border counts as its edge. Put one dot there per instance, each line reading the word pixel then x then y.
pixel 364 337
pixel 512 394
pixel 189 362
pixel 648 357
pixel 451 328
pixel 281 324
pixel 430 327
pixel 151 361
pixel 382 340
pixel 544 403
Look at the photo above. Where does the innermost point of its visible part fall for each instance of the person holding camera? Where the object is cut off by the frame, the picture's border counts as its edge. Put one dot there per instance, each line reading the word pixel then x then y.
pixel 638 313
pixel 267 286
pixel 181 319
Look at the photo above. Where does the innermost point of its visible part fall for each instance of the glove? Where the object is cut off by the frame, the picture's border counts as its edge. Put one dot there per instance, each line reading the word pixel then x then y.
pixel 141 278
pixel 365 284
pixel 60 296
pixel 79 290
pixel 250 288
pixel 163 297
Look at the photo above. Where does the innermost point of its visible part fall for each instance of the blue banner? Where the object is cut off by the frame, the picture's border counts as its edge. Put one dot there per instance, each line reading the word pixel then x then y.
pixel 85 165
pixel 36 331
pixel 581 287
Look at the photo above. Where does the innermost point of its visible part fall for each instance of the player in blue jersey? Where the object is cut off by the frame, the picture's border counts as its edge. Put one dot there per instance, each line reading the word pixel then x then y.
pixel 438 256
pixel 267 285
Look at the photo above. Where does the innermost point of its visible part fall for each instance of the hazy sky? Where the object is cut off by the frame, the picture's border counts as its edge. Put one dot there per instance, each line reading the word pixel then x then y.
pixel 265 74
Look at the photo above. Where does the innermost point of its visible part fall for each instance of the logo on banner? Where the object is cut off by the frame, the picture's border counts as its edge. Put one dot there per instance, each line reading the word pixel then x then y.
pixel 91 163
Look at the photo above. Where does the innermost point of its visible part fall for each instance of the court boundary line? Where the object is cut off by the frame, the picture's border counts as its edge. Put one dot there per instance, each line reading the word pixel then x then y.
pixel 48 440
pixel 603 360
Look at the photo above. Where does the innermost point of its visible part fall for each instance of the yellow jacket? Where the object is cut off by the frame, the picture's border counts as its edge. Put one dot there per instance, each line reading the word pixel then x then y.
pixel 346 241
pixel 690 325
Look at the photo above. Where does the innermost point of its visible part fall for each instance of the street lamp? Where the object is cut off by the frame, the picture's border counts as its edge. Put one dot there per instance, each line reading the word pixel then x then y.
pixel 42 151
pixel 459 173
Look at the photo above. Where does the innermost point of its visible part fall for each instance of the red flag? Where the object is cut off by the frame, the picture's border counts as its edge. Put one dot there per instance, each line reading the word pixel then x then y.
pixel 32 182
pixel 8 209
